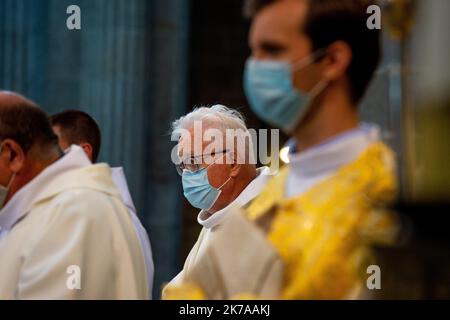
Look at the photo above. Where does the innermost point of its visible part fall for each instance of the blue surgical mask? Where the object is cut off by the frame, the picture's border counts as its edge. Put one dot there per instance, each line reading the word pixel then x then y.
pixel 269 88
pixel 198 191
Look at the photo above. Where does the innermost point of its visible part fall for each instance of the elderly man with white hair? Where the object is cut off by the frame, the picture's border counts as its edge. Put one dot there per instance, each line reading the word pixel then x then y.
pixel 216 175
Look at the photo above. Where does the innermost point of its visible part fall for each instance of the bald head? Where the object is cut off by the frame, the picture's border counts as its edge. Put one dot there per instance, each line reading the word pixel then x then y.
pixel 22 121
pixel 8 98
pixel 27 142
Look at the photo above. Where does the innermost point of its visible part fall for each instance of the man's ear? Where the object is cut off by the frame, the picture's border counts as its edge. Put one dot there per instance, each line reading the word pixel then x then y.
pixel 338 59
pixel 235 166
pixel 88 150
pixel 14 154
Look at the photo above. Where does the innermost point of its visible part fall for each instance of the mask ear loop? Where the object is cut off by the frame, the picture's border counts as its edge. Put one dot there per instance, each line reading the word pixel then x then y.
pixel 309 60
pixel 223 185
pixel 219 188
pixel 318 88
pixel 14 174
pixel 321 85
pixel 229 178
pixel 311 96
pixel 11 181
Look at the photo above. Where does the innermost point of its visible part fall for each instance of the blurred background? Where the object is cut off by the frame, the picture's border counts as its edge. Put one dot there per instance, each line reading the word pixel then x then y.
pixel 137 65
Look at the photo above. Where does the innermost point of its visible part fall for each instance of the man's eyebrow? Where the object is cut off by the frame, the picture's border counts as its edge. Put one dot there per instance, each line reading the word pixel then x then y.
pixel 271 46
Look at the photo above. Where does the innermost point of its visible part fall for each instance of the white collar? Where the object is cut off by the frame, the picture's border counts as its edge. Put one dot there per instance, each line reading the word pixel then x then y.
pixel 334 153
pixel 21 203
pixel 247 195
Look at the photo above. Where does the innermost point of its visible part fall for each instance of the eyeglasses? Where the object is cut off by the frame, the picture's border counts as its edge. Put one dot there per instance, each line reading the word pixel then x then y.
pixel 194 165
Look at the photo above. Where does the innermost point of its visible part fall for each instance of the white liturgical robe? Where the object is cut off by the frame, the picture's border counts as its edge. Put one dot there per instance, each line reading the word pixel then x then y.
pixel 118 176
pixel 68 235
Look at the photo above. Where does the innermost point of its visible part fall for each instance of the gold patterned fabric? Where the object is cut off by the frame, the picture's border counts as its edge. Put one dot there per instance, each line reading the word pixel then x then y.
pixel 324 235
pixel 184 291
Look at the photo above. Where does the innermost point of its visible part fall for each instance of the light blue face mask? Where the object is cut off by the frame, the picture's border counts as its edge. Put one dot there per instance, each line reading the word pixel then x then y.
pixel 197 189
pixel 269 88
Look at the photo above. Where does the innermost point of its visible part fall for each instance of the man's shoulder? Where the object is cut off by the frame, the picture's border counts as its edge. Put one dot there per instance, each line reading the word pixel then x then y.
pixel 76 211
pixel 80 203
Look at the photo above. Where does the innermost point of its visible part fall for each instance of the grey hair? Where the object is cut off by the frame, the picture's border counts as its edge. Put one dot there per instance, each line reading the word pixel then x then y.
pixel 219 116
pixel 222 118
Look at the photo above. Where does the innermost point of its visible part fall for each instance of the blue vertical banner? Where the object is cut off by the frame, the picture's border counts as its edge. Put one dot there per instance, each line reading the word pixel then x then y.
pixel 24 28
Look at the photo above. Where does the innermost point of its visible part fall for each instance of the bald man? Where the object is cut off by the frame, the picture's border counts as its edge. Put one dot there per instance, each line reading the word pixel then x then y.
pixel 64 230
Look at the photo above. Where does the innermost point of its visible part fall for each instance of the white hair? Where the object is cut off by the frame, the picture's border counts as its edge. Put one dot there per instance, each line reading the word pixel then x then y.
pixel 217 117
